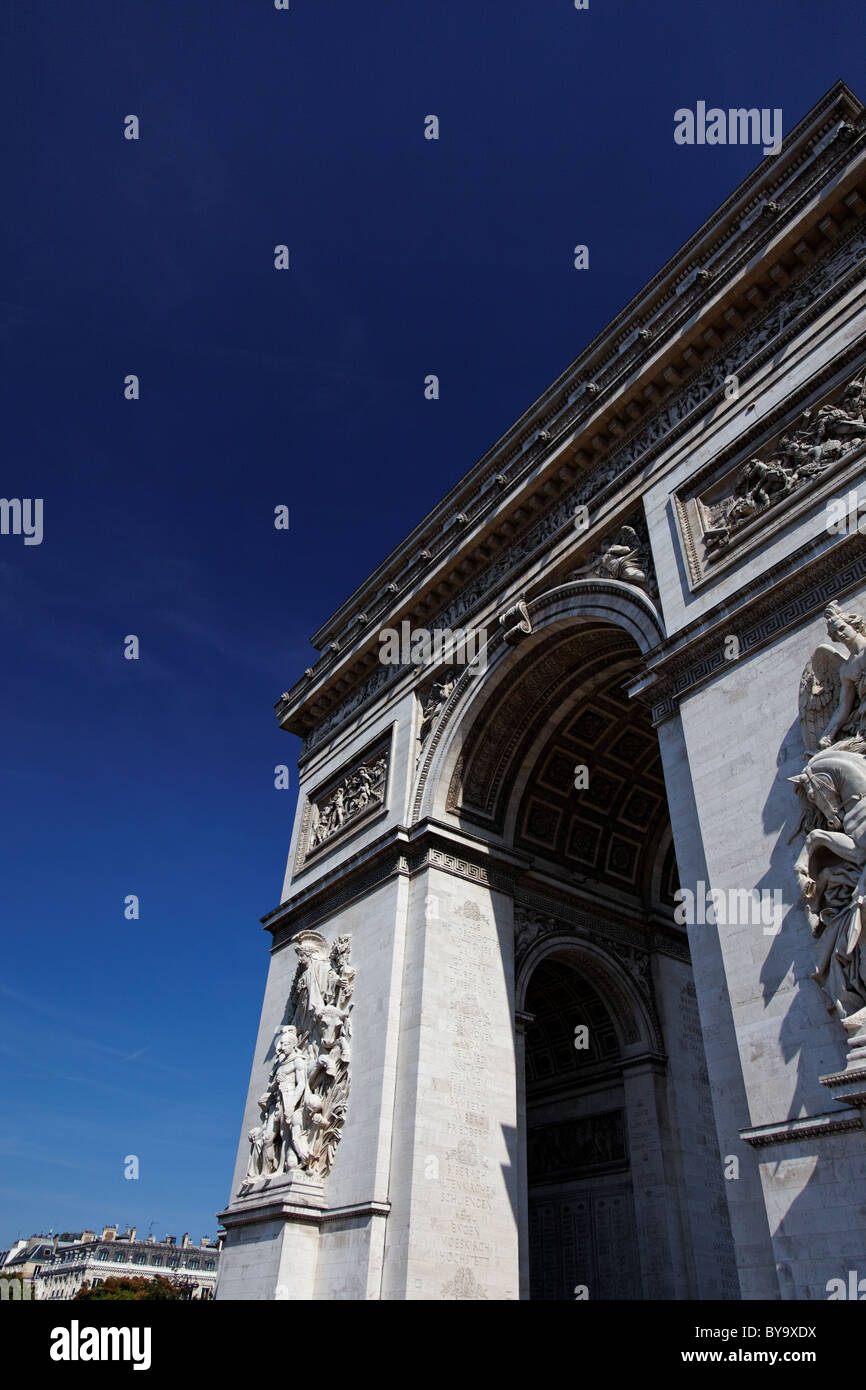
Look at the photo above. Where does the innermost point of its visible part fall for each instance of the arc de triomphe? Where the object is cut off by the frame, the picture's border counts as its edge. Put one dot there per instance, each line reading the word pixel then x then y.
pixel 545 1016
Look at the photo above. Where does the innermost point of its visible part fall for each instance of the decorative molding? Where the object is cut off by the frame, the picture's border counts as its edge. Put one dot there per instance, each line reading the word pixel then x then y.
pixel 790 310
pixel 773 197
pixel 608 959
pixel 351 879
pixel 473 871
pixel 740 502
pixel 617 926
pixel 809 1127
pixel 811 577
pixel 242 1213
pixel 515 623
pixel 345 803
pixel 398 853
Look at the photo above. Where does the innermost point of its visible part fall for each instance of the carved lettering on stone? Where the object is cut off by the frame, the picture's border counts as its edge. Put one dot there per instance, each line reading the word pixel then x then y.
pixel 304 1105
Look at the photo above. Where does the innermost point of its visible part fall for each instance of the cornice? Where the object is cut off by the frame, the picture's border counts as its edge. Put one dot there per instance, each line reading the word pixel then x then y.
pixel 815 161
pixel 434 845
pixel 797 589
pixel 398 852
pixel 808 1127
pixel 607 485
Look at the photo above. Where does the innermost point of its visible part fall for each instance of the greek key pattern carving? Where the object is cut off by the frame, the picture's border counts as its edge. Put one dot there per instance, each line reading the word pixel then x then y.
pixel 814 582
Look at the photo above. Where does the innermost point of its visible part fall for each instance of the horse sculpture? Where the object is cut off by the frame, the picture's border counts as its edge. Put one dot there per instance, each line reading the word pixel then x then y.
pixel 831 872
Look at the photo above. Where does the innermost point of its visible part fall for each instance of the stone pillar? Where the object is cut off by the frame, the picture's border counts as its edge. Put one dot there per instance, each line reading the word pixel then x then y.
pixel 289 1237
pixel 452 1232
pixel 745 1198
pixel 692 1158
pixel 663 1273
pixel 522 1020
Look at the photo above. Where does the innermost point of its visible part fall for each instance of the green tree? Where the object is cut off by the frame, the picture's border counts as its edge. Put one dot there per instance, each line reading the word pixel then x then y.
pixel 133 1289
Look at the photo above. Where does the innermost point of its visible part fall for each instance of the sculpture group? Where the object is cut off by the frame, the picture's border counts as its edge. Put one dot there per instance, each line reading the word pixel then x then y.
pixel 822 437
pixel 831 866
pixel 362 787
pixel 625 556
pixel 304 1106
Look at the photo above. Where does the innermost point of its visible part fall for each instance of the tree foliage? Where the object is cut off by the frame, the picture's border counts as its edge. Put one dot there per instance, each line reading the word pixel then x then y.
pixel 134 1289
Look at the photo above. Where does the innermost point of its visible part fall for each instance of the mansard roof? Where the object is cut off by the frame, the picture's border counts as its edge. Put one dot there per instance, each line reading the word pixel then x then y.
pixel 792 204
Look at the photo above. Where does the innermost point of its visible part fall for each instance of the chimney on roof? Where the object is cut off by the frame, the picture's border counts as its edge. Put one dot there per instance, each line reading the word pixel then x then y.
pixel 109 1233
pixel 204 1242
pixel 54 1244
pixel 185 1241
pixel 132 1231
pixel 169 1240
pixel 86 1236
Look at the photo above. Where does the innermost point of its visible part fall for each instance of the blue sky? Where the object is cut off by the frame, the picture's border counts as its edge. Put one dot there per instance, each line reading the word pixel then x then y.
pixel 258 388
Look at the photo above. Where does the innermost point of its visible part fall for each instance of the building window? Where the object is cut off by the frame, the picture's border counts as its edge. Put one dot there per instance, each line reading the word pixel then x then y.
pixel 138 1259
pixel 193 1264
pixel 208 1264
pixel 157 1260
pixel 103 1255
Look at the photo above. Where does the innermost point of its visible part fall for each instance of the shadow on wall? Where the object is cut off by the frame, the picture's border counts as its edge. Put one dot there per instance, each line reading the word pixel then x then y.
pixel 808 1031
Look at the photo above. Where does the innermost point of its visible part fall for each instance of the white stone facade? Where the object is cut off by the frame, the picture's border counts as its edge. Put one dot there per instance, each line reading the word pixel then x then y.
pixel 709 1144
pixel 194 1268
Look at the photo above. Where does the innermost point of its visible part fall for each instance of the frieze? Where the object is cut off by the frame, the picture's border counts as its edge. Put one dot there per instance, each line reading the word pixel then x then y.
pixel 716 516
pixel 798 174
pixel 346 802
pixel 589 1143
pixel 813 579
pixel 789 313
pixel 471 871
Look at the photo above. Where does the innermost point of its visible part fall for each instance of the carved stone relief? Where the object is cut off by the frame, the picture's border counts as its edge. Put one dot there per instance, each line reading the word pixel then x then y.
pixel 614 472
pixel 343 805
pixel 716 516
pixel 625 556
pixel 433 701
pixel 831 866
pixel 304 1105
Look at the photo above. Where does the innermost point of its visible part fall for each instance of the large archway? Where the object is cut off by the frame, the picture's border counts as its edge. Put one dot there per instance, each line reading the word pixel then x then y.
pixel 547 756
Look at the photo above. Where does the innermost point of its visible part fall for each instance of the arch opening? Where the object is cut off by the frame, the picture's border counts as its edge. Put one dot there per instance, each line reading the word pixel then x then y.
pixel 582 1232
pixel 547 758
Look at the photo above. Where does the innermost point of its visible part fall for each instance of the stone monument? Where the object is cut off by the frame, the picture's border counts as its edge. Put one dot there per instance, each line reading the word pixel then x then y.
pixel 602 888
